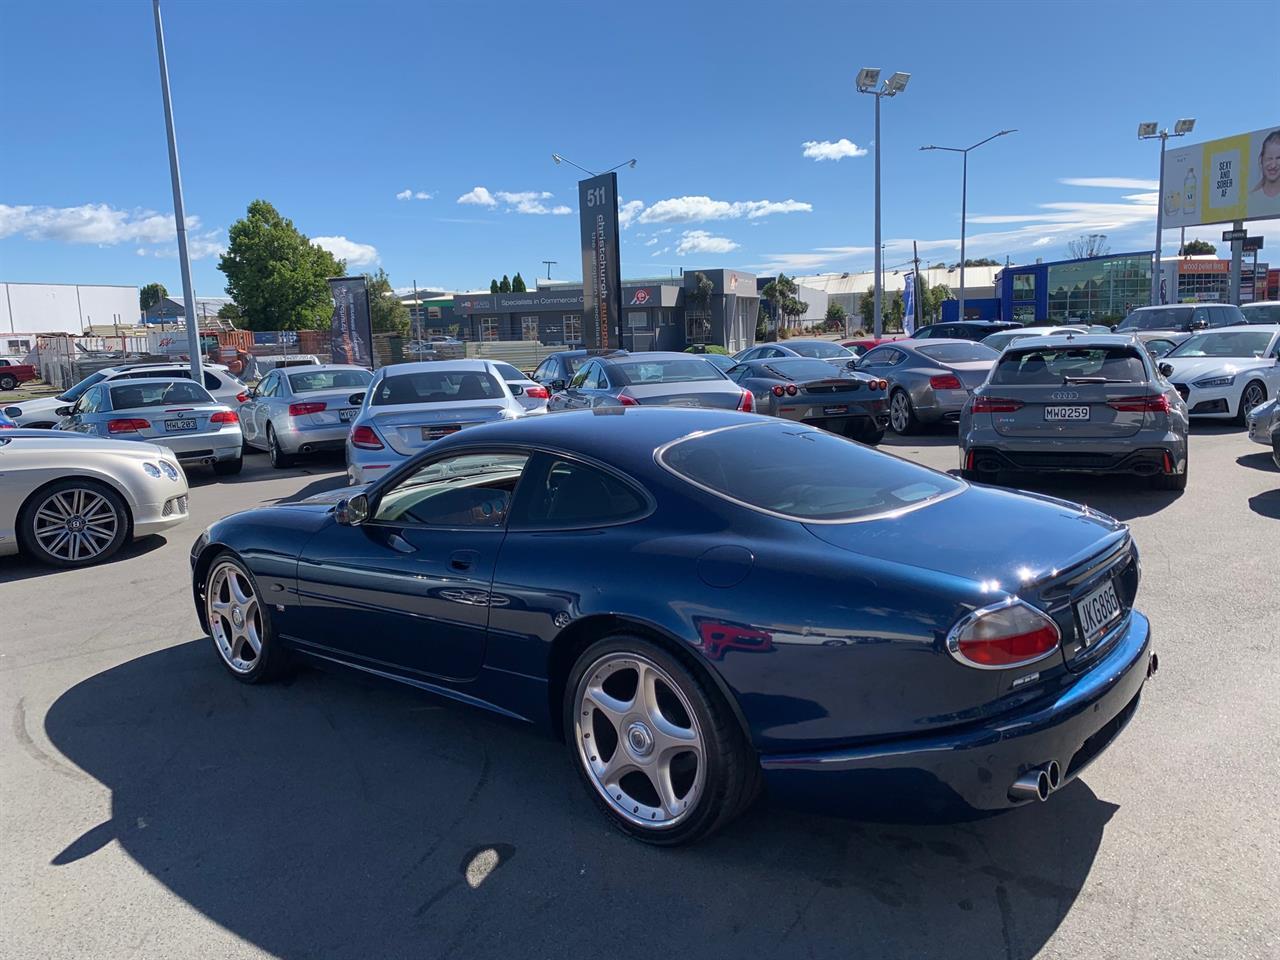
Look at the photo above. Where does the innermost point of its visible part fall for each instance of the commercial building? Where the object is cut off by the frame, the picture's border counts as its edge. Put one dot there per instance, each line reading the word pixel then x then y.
pixel 657 314
pixel 1208 280
pixel 849 289
pixel 29 309
pixel 172 309
pixel 1097 289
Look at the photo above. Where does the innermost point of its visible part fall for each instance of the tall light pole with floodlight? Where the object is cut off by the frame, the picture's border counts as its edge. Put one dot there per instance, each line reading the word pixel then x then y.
pixel 868 78
pixel 964 198
pixel 1151 131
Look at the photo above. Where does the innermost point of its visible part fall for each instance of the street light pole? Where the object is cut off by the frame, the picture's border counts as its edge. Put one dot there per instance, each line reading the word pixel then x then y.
pixel 964 199
pixel 867 79
pixel 1150 131
pixel 179 215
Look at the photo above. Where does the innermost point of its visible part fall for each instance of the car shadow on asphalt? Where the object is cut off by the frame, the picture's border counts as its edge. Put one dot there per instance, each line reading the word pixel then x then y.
pixel 1266 504
pixel 16 568
pixel 326 816
pixel 1122 497
pixel 1258 461
pixel 258 467
pixel 930 435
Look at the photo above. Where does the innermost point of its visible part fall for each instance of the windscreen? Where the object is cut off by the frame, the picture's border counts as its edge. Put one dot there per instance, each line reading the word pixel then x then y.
pixel 132 396
pixel 1160 318
pixel 802 369
pixel 957 352
pixel 78 390
pixel 1236 343
pixel 818 348
pixel 437 386
pixel 673 370
pixel 329 380
pixel 802 473
pixel 1261 312
pixel 1054 366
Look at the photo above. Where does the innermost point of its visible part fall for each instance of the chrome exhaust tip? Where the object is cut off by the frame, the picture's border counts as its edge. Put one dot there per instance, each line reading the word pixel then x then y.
pixel 1032 785
pixel 1054 773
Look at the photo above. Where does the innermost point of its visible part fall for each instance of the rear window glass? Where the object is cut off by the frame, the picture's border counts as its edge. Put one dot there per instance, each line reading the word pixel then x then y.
pixel 1160 318
pixel 135 395
pixel 1239 343
pixel 676 370
pixel 509 373
pixel 1052 367
pixel 438 386
pixel 803 473
pixel 1261 312
pixel 329 380
pixel 810 348
pixel 802 369
pixel 957 352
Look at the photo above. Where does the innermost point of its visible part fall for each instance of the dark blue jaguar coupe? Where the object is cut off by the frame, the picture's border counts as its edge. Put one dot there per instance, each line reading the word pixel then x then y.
pixel 703 602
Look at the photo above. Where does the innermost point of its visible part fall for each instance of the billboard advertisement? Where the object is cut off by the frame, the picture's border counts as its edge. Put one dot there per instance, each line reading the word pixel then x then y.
pixel 351 328
pixel 601 278
pixel 1235 178
pixel 909 304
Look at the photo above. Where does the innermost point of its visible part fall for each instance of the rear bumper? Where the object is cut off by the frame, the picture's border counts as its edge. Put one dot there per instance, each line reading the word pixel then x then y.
pixel 973 768
pixel 1146 461
pixel 293 436
pixel 199 447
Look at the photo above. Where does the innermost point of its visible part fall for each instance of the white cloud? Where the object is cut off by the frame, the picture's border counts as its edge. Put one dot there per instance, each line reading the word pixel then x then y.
pixel 414 195
pixel 651 242
pixel 561 210
pixel 1042 242
pixel 658 253
pixel 696 209
pixel 96 223
pixel 1118 183
pixel 478 196
pixel 404 195
pixel 700 241
pixel 828 150
pixel 627 212
pixel 356 254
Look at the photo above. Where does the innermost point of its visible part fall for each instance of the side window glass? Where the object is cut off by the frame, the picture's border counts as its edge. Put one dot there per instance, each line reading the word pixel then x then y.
pixel 579 380
pixel 601 378
pixel 211 382
pixel 574 494
pixel 543 372
pixel 91 401
pixel 268 387
pixel 469 490
pixel 739 373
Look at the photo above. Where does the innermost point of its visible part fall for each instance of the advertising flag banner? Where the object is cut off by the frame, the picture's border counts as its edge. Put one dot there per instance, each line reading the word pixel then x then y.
pixel 351 328
pixel 1235 178
pixel 601 274
pixel 909 304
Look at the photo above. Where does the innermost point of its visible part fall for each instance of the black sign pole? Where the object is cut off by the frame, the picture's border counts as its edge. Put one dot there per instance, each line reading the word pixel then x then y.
pixel 601 275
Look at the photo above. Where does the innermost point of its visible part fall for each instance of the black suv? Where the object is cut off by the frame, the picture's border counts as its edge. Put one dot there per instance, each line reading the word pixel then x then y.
pixel 963 329
pixel 557 370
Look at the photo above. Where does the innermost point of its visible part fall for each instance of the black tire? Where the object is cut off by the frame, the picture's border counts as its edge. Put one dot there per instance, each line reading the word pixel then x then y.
pixel 908 424
pixel 30 540
pixel 1172 481
pixel 272 661
pixel 1242 414
pixel 731 773
pixel 8 382
pixel 41 426
pixel 229 468
pixel 871 436
pixel 1275 449
pixel 279 459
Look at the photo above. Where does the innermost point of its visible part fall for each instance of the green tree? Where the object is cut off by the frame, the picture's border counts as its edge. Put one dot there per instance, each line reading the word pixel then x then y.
pixel 386 313
pixel 762 323
pixel 504 285
pixel 778 291
pixel 493 286
pixel 276 274
pixel 867 309
pixel 981 262
pixel 836 316
pixel 1189 249
pixel 150 295
pixel 230 311
pixel 517 283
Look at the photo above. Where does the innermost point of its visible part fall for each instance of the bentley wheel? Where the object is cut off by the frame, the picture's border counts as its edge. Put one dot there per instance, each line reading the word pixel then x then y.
pixel 661 754
pixel 74 523
pixel 901 416
pixel 240 623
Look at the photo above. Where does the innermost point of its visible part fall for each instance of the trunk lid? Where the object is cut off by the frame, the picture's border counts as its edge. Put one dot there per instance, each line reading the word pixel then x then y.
pixel 714 394
pixel 409 428
pixel 1077 410
pixel 166 423
pixel 335 403
pixel 972 373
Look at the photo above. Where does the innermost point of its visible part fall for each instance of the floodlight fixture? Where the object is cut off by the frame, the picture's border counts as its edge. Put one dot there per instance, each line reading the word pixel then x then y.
pixel 868 77
pixel 1186 125
pixel 1146 130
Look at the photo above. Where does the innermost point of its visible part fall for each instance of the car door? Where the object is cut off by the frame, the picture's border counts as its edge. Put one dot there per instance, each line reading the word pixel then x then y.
pixel 246 412
pixel 408 590
pixel 265 404
pixel 577 396
pixel 83 413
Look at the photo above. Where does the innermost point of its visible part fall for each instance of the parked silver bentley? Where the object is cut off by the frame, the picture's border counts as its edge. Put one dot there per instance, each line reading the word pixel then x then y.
pixel 929 380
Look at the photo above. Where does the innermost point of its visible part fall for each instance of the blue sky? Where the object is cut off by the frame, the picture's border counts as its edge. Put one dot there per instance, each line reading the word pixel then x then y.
pixel 419 136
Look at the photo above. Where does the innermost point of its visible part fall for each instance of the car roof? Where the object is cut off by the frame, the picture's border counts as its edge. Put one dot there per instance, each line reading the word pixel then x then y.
pixel 1076 340
pixel 652 355
pixel 584 352
pixel 313 367
pixel 164 365
pixel 473 365
pixel 1260 303
pixel 909 344
pixel 1243 328
pixel 144 382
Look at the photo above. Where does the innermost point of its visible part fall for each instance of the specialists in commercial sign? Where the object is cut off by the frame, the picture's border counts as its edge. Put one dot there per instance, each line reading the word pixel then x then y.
pixel 1235 178
pixel 601 274
pixel 351 333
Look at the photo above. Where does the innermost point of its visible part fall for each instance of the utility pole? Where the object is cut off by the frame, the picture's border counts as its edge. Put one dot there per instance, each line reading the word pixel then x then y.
pixel 915 298
pixel 1237 248
pixel 550 264
pixel 179 214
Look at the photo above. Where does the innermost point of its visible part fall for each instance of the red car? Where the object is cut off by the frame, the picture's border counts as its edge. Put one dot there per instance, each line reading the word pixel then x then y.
pixel 859 347
pixel 12 373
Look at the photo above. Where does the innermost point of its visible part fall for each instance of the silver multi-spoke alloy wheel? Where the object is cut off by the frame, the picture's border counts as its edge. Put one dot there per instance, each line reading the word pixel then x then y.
pixel 235 616
pixel 1253 395
pixel 639 740
pixel 900 412
pixel 76 525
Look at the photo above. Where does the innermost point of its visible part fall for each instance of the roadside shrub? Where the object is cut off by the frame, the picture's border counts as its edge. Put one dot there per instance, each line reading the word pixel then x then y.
pixel 708 348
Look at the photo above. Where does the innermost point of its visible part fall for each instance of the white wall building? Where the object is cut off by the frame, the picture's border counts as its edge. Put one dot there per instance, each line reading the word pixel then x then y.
pixel 33 308
pixel 848 289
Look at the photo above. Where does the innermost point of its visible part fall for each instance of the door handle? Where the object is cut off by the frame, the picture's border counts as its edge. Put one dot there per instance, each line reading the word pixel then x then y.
pixel 463 560
pixel 399 543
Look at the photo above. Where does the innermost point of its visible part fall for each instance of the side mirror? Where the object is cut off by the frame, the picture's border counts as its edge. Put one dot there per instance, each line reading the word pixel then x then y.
pixel 1166 370
pixel 356 398
pixel 557 385
pixel 63 411
pixel 353 511
pixel 1199 324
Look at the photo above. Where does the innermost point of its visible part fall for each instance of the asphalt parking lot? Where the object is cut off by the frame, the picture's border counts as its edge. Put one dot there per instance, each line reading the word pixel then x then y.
pixel 151 807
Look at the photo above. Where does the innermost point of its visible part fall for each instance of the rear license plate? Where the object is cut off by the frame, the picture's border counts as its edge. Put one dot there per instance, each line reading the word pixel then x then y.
pixel 839 408
pixel 173 426
pixel 347 414
pixel 1098 611
pixel 435 433
pixel 1066 413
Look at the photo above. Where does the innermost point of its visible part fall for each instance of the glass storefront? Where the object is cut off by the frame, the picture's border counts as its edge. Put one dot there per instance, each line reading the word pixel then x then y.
pixel 1103 290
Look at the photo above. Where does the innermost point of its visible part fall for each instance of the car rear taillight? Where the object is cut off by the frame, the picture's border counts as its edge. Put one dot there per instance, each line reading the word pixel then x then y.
pixel 302 409
pixel 995 405
pixel 225 416
pixel 747 402
pixel 791 390
pixel 778 391
pixel 1009 634
pixel 948 381
pixel 626 401
pixel 128 425
pixel 878 385
pixel 538 393
pixel 242 397
pixel 364 438
pixel 1156 403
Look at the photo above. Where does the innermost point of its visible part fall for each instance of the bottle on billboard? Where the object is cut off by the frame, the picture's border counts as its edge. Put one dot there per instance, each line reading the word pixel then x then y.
pixel 1189 191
